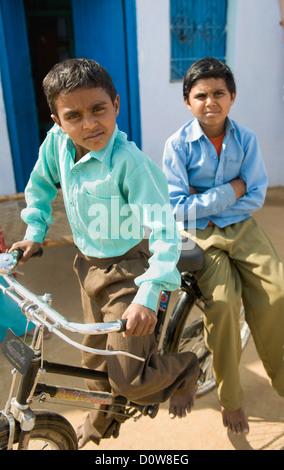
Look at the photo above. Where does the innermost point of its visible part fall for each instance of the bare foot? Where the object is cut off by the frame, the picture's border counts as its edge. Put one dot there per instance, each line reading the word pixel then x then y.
pixel 180 405
pixel 235 420
pixel 81 436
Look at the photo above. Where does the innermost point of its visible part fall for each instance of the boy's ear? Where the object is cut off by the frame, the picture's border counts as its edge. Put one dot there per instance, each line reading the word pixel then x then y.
pixel 57 121
pixel 233 97
pixel 187 104
pixel 116 105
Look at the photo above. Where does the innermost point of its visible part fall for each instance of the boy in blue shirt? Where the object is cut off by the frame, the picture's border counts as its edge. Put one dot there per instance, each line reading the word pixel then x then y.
pixel 216 180
pixel 110 190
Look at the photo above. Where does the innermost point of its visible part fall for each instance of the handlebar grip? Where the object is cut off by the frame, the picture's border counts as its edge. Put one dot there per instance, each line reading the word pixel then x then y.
pixel 39 252
pixel 19 253
pixel 123 325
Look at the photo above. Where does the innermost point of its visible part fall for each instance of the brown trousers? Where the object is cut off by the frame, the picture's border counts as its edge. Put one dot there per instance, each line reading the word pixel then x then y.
pixel 107 289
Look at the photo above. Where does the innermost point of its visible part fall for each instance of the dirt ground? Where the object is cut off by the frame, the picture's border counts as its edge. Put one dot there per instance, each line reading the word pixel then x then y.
pixel 202 429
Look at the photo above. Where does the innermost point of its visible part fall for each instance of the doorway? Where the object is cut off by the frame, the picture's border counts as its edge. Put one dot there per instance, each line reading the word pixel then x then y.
pixel 51 40
pixel 34 36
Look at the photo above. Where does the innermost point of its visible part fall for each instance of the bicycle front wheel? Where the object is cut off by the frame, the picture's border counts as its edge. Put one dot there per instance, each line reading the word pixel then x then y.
pixel 51 432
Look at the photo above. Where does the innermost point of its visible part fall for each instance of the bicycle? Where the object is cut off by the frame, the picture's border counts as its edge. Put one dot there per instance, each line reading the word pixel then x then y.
pixel 21 424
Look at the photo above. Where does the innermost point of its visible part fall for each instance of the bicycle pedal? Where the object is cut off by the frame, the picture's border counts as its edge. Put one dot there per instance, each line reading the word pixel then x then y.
pixel 150 410
pixel 153 411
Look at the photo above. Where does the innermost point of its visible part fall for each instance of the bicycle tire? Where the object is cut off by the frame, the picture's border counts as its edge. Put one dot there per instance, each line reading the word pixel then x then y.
pixel 51 432
pixel 183 334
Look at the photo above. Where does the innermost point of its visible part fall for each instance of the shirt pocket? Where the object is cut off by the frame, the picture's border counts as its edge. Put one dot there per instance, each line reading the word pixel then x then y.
pixel 103 215
pixel 103 188
pixel 232 167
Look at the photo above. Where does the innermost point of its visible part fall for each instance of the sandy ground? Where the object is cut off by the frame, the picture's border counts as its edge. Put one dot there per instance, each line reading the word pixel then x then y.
pixel 202 429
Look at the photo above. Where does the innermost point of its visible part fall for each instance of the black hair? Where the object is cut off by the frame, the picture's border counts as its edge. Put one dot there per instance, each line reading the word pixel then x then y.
pixel 209 67
pixel 71 74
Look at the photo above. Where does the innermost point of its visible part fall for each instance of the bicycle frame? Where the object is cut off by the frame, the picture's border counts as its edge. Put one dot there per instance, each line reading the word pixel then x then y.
pixel 30 391
pixel 190 296
pixel 28 361
pixel 31 366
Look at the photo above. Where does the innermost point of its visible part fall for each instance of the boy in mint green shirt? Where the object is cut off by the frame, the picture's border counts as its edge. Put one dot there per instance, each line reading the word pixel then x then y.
pixel 111 190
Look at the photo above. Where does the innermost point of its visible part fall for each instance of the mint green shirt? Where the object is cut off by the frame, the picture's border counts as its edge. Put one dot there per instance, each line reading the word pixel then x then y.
pixel 110 197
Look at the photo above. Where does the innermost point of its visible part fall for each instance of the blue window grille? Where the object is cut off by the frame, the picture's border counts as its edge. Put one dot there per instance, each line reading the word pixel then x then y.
pixel 198 30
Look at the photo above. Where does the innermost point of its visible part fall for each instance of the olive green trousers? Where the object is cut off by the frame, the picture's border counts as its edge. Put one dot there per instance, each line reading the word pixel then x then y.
pixel 241 263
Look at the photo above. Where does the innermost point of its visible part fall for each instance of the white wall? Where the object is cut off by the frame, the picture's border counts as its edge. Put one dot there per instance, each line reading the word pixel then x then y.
pixel 256 56
pixel 259 73
pixel 161 102
pixel 7 180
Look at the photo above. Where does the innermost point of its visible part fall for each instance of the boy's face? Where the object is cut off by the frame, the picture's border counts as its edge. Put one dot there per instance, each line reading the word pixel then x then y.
pixel 88 116
pixel 210 102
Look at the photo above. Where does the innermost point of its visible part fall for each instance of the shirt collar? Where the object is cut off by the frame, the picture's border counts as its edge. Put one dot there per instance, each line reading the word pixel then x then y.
pixel 103 155
pixel 194 131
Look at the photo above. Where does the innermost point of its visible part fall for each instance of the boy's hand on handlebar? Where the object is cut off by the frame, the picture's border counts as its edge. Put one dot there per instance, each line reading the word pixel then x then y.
pixel 141 320
pixel 28 248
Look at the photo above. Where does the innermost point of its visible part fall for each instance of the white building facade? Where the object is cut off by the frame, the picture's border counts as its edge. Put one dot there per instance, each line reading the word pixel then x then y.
pixel 255 53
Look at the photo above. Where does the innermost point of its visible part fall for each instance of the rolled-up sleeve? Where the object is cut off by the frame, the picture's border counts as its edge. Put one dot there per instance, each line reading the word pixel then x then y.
pixel 39 194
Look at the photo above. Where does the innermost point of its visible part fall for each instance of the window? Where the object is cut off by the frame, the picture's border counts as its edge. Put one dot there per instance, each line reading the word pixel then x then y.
pixel 198 29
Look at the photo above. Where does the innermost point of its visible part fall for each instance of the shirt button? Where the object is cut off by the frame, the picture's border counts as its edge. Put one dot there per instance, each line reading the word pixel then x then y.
pixel 74 172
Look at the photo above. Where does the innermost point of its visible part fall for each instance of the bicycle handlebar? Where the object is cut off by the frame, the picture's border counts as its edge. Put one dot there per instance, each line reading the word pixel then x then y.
pixel 36 307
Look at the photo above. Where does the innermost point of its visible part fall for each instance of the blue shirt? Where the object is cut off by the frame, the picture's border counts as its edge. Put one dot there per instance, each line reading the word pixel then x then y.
pixel 109 195
pixel 190 159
